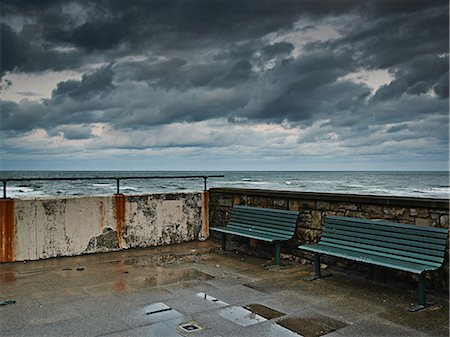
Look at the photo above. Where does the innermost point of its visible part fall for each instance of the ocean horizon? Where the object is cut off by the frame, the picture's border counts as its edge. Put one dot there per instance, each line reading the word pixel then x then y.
pixel 426 184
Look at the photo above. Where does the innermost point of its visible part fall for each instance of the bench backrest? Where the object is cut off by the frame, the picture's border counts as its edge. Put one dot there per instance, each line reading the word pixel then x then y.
pixel 265 220
pixel 417 244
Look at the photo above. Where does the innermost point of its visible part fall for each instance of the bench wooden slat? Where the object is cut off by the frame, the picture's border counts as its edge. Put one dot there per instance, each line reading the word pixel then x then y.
pixel 374 237
pixel 274 225
pixel 388 230
pixel 256 233
pixel 264 220
pixel 235 232
pixel 387 223
pixel 369 259
pixel 412 238
pixel 259 210
pixel 438 233
pixel 275 213
pixel 265 229
pixel 376 250
pixel 397 258
pixel 386 243
pixel 252 234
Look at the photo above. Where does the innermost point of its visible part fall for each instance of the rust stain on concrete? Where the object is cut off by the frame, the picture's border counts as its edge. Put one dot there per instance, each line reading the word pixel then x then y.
pixel 7 231
pixel 120 286
pixel 205 214
pixel 119 215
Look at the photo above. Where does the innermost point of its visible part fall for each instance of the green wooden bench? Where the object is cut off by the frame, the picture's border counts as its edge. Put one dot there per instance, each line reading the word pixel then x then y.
pixel 415 249
pixel 265 224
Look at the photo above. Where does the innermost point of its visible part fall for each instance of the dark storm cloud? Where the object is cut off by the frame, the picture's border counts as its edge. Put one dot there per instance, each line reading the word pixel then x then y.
pixel 98 82
pixel 21 117
pixel 93 27
pixel 71 102
pixel 25 52
pixel 165 73
pixel 416 77
pixel 442 88
pixel 178 61
pixel 397 38
pixel 95 36
pixel 72 132
pixel 272 50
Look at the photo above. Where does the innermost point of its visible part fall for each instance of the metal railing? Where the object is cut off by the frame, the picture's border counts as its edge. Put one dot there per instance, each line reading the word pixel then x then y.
pixel 117 179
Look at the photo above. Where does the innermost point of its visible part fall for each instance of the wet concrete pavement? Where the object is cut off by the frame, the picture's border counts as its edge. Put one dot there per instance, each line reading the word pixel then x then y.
pixel 194 290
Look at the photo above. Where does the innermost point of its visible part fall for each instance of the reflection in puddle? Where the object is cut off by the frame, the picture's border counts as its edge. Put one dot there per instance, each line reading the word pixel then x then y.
pixel 209 298
pixel 312 326
pixel 264 311
pixel 158 312
pixel 120 286
pixel 7 277
pixel 241 316
pixel 164 276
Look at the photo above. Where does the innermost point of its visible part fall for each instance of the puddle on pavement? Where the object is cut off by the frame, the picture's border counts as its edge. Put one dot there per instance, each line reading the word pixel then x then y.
pixel 166 329
pixel 312 326
pixel 164 276
pixel 264 311
pixel 158 260
pixel 7 277
pixel 241 316
pixel 158 312
pixel 212 299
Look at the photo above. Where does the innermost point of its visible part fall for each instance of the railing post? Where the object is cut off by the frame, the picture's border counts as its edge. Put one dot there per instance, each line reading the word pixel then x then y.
pixel 118 186
pixel 4 188
pixel 204 178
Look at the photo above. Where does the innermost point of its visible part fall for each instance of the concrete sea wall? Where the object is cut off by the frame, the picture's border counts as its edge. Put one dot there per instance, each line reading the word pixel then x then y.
pixel 33 229
pixel 314 207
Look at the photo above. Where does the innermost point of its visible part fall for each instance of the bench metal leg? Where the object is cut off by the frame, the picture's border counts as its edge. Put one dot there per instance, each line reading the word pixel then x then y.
pixel 223 241
pixel 317 265
pixel 421 290
pixel 421 300
pixel 277 253
pixel 317 273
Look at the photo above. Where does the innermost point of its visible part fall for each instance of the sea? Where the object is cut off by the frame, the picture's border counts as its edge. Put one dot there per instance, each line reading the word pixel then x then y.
pixel 385 183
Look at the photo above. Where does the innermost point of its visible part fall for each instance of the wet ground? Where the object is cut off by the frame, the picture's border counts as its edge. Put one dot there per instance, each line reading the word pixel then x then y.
pixel 194 290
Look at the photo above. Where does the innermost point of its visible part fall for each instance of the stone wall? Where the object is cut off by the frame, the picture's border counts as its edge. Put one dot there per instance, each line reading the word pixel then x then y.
pixel 50 227
pixel 314 207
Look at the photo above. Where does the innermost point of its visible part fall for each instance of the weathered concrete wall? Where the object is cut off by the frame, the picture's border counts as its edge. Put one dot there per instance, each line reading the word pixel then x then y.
pixel 70 226
pixel 314 207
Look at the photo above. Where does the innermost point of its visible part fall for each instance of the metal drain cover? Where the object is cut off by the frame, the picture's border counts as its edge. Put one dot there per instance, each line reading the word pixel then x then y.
pixel 190 327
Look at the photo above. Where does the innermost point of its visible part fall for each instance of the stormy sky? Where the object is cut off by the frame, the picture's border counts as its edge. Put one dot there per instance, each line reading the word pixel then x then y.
pixel 242 85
